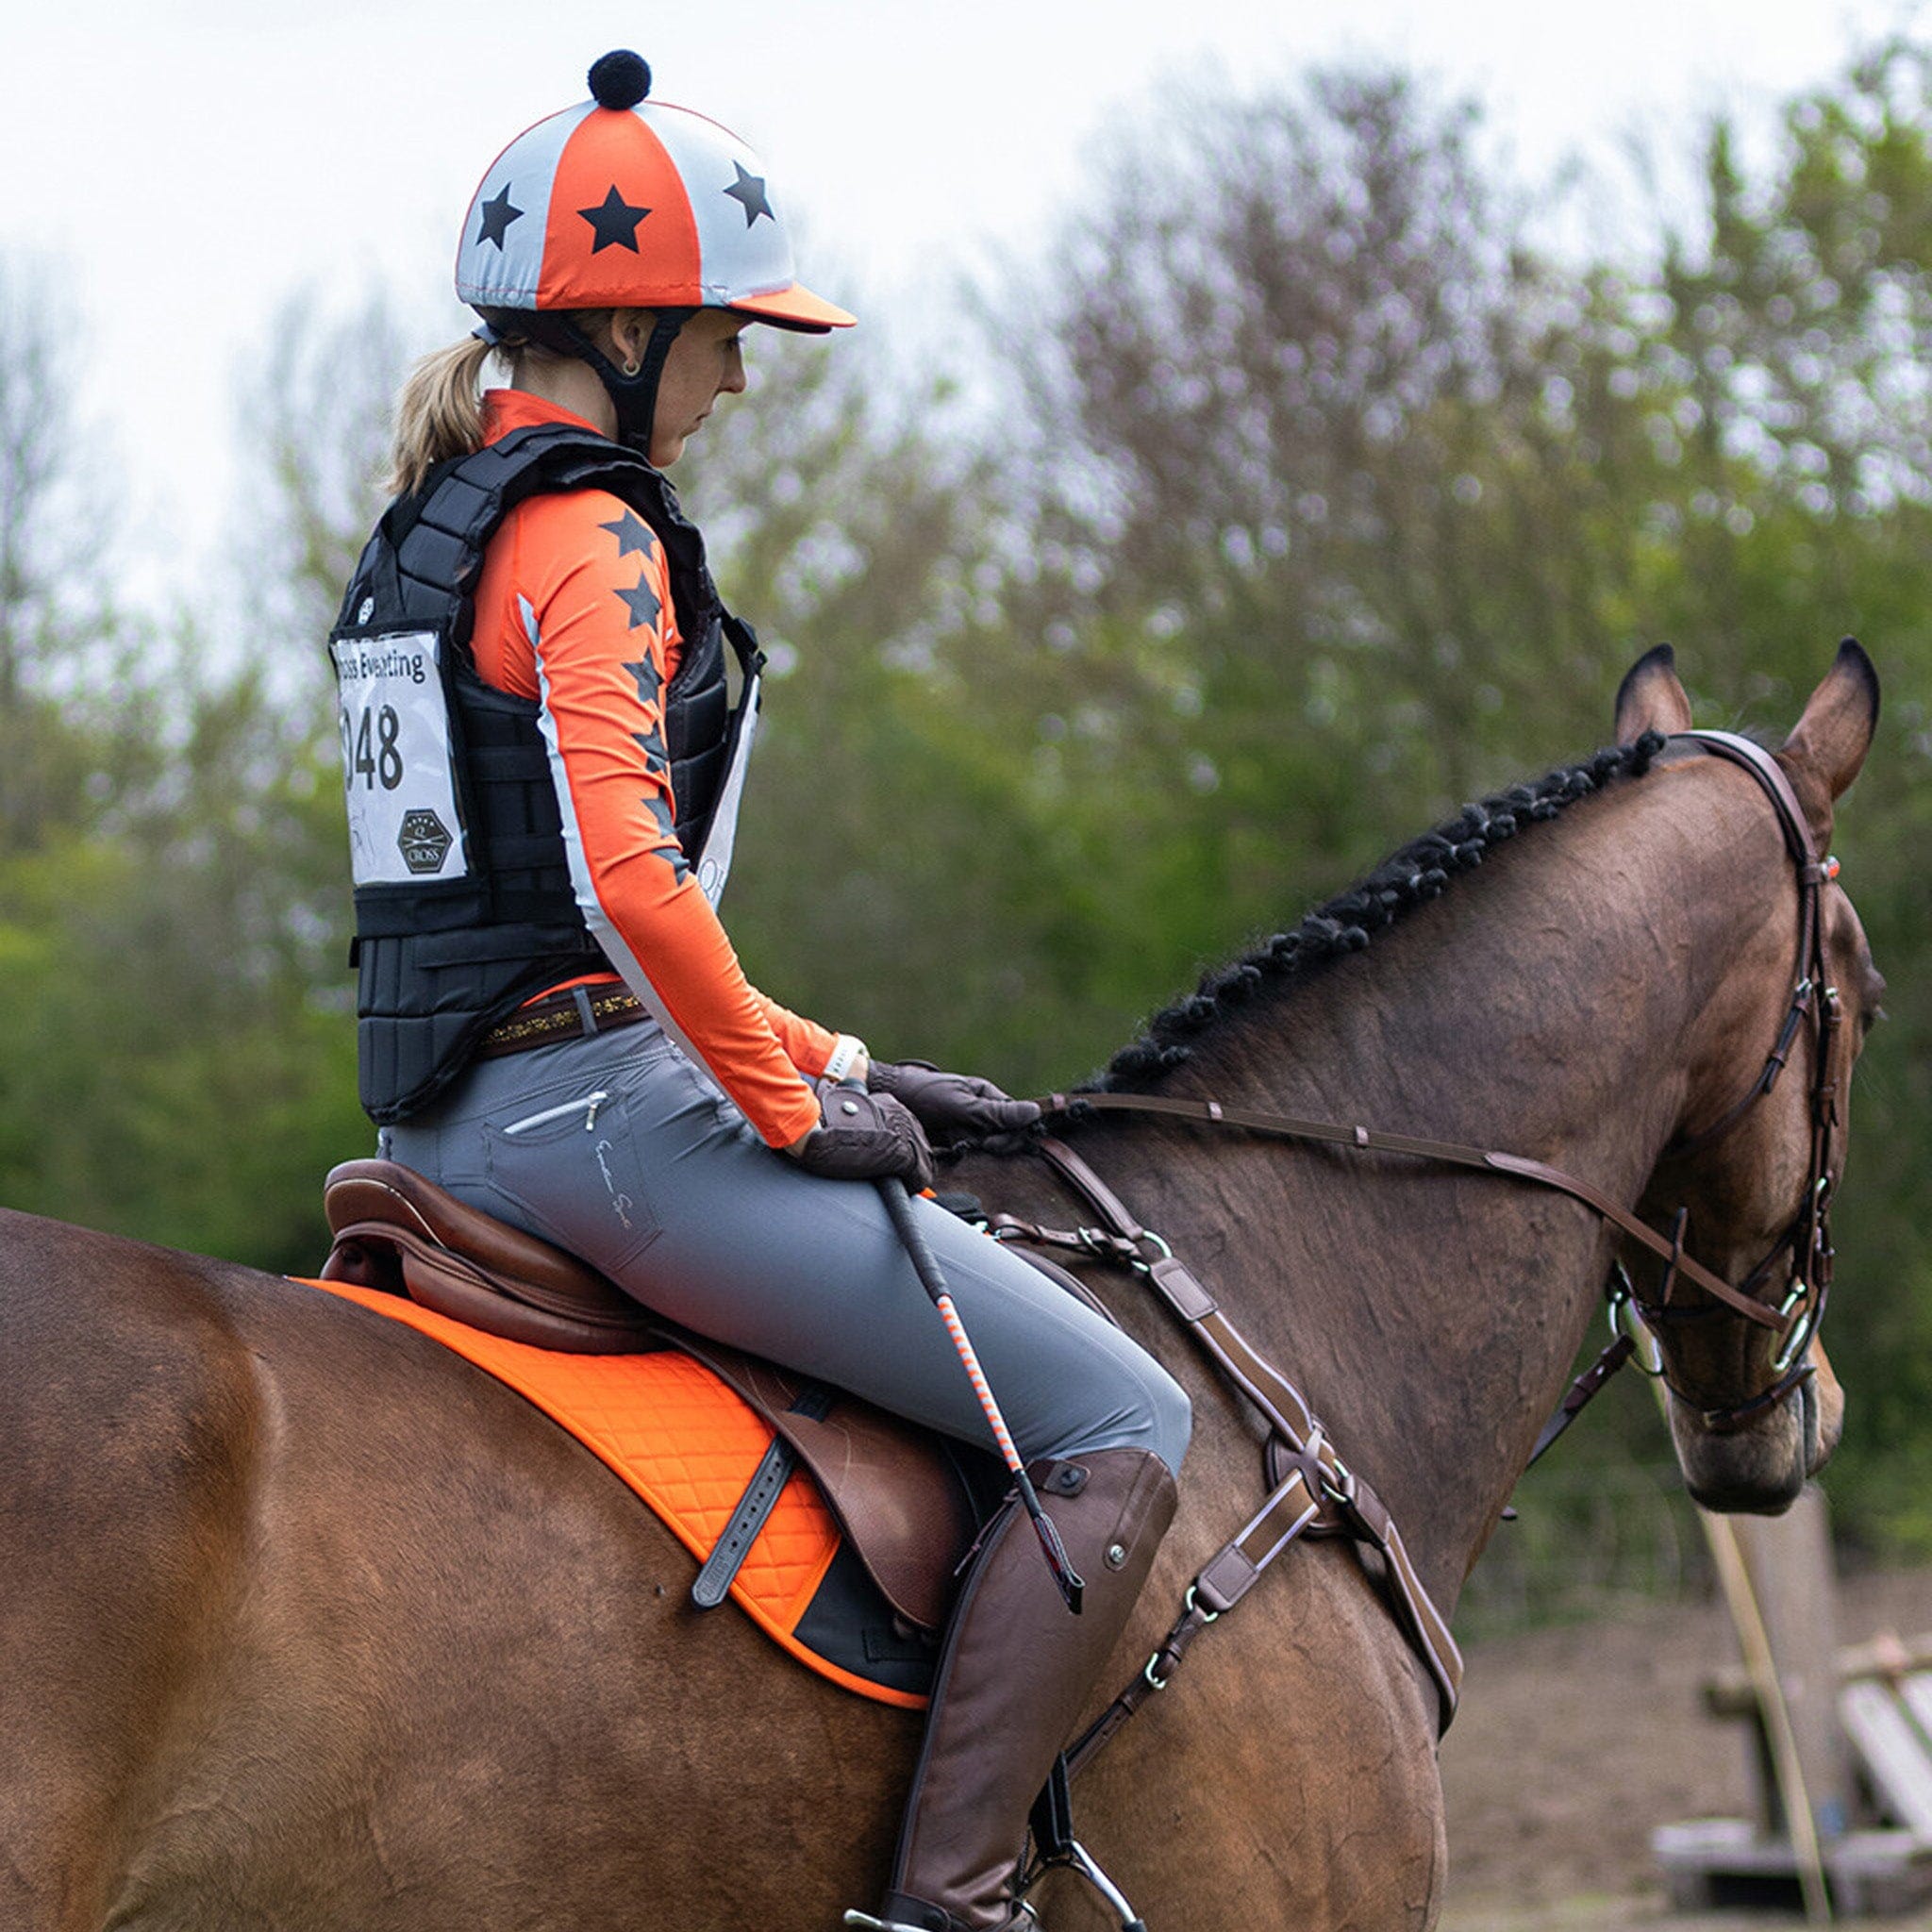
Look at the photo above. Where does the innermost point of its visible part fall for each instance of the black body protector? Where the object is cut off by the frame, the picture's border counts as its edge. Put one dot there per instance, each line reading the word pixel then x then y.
pixel 464 901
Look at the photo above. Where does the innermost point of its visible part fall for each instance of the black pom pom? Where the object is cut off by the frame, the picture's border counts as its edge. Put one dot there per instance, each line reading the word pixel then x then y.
pixel 620 80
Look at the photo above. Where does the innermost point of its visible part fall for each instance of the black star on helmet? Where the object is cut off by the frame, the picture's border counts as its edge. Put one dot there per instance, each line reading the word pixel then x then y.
pixel 497 216
pixel 632 533
pixel 614 222
pixel 748 190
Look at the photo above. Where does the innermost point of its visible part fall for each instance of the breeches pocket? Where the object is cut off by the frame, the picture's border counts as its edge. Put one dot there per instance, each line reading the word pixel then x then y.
pixel 568 1159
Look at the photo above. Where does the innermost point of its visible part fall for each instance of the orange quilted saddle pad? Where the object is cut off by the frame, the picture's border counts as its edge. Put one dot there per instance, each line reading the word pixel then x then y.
pixel 687 1445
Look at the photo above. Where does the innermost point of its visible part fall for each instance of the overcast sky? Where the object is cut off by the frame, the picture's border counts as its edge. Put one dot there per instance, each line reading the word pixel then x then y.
pixel 182 165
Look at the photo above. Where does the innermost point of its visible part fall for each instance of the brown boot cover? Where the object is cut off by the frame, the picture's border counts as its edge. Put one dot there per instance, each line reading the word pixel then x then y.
pixel 1012 1680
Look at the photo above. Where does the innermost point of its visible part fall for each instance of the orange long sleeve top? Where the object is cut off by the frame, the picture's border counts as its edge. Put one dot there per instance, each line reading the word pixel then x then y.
pixel 574 610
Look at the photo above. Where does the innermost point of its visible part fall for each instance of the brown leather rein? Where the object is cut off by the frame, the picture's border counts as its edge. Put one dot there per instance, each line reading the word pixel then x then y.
pixel 1312 1491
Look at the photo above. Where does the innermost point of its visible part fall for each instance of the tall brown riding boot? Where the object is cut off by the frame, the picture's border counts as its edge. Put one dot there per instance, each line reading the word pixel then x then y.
pixel 1012 1680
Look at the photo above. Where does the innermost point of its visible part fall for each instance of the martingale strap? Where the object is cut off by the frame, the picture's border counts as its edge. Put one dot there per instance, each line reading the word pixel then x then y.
pixel 1319 1495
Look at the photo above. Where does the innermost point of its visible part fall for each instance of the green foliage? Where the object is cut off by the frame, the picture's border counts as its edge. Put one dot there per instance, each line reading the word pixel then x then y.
pixel 174 1066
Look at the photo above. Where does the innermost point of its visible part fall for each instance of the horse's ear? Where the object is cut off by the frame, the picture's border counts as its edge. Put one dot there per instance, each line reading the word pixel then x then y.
pixel 1650 699
pixel 1825 752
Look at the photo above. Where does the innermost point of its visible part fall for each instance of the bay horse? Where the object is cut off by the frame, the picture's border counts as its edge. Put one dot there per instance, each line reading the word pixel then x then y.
pixel 304 1622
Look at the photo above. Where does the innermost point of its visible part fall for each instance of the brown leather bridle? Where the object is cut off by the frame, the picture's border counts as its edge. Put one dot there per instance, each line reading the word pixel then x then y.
pixel 1806 1239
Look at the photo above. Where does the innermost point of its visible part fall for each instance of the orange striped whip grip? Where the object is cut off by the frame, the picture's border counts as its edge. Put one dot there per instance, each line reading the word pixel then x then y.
pixel 926 1265
pixel 976 1376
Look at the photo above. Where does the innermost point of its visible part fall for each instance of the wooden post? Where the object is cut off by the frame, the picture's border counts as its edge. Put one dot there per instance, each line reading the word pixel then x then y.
pixel 1811 1712
pixel 1801 1594
pixel 1787 1559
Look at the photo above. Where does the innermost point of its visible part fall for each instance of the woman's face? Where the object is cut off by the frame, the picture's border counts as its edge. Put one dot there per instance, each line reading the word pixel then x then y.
pixel 706 361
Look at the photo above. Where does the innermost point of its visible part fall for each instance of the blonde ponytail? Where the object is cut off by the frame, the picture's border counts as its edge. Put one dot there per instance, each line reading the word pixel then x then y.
pixel 440 412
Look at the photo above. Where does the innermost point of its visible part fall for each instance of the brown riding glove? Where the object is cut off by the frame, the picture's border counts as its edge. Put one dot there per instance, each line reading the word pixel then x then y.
pixel 951 1106
pixel 865 1136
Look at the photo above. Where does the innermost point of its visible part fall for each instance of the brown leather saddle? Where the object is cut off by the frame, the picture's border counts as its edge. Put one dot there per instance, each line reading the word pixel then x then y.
pixel 901 1497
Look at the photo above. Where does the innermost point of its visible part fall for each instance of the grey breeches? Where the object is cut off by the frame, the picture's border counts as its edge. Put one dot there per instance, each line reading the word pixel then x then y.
pixel 617 1148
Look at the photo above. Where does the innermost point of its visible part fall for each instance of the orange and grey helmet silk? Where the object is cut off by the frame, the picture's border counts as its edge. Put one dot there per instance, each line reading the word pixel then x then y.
pixel 623 202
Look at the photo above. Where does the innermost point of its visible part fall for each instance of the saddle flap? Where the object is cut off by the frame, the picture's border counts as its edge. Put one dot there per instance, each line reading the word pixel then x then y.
pixel 895 1494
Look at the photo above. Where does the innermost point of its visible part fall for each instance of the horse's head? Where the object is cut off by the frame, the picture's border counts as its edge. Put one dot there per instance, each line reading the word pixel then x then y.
pixel 1761 1140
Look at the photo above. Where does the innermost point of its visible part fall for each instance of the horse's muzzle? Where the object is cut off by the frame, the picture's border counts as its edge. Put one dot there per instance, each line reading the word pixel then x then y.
pixel 1759 1467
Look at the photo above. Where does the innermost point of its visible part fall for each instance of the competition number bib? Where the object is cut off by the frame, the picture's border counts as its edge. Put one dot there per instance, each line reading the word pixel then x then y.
pixel 402 793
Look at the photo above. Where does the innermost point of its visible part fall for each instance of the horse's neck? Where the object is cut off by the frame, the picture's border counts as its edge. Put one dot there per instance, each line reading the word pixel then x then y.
pixel 1431 1314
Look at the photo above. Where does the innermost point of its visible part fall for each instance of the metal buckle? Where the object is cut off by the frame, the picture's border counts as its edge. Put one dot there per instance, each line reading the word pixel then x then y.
pixel 1190 1606
pixel 1104 1245
pixel 1339 1486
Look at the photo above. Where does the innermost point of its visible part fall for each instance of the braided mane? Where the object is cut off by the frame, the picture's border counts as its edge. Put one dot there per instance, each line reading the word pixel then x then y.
pixel 1408 878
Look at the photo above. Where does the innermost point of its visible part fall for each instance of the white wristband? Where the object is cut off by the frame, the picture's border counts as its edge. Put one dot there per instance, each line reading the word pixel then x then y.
pixel 847 1050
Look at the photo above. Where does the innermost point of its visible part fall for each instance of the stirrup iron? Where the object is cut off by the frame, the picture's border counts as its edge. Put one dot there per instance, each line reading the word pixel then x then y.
pixel 1075 1857
pixel 1051 1823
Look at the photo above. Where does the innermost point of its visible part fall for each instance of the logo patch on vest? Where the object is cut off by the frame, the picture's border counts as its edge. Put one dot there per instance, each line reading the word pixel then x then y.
pixel 424 842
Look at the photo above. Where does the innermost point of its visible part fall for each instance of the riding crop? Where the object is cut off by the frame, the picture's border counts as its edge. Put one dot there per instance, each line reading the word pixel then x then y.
pixel 926 1265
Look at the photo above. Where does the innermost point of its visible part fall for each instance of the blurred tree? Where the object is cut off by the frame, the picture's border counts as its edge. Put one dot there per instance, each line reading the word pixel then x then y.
pixel 180 1064
pixel 175 1065
pixel 61 654
pixel 317 421
pixel 1319 540
pixel 886 878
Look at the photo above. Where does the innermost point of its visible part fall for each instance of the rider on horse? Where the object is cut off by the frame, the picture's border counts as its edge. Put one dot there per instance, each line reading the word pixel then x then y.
pixel 544 759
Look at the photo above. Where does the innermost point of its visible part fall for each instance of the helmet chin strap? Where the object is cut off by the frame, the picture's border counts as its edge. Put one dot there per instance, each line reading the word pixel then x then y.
pixel 634 394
